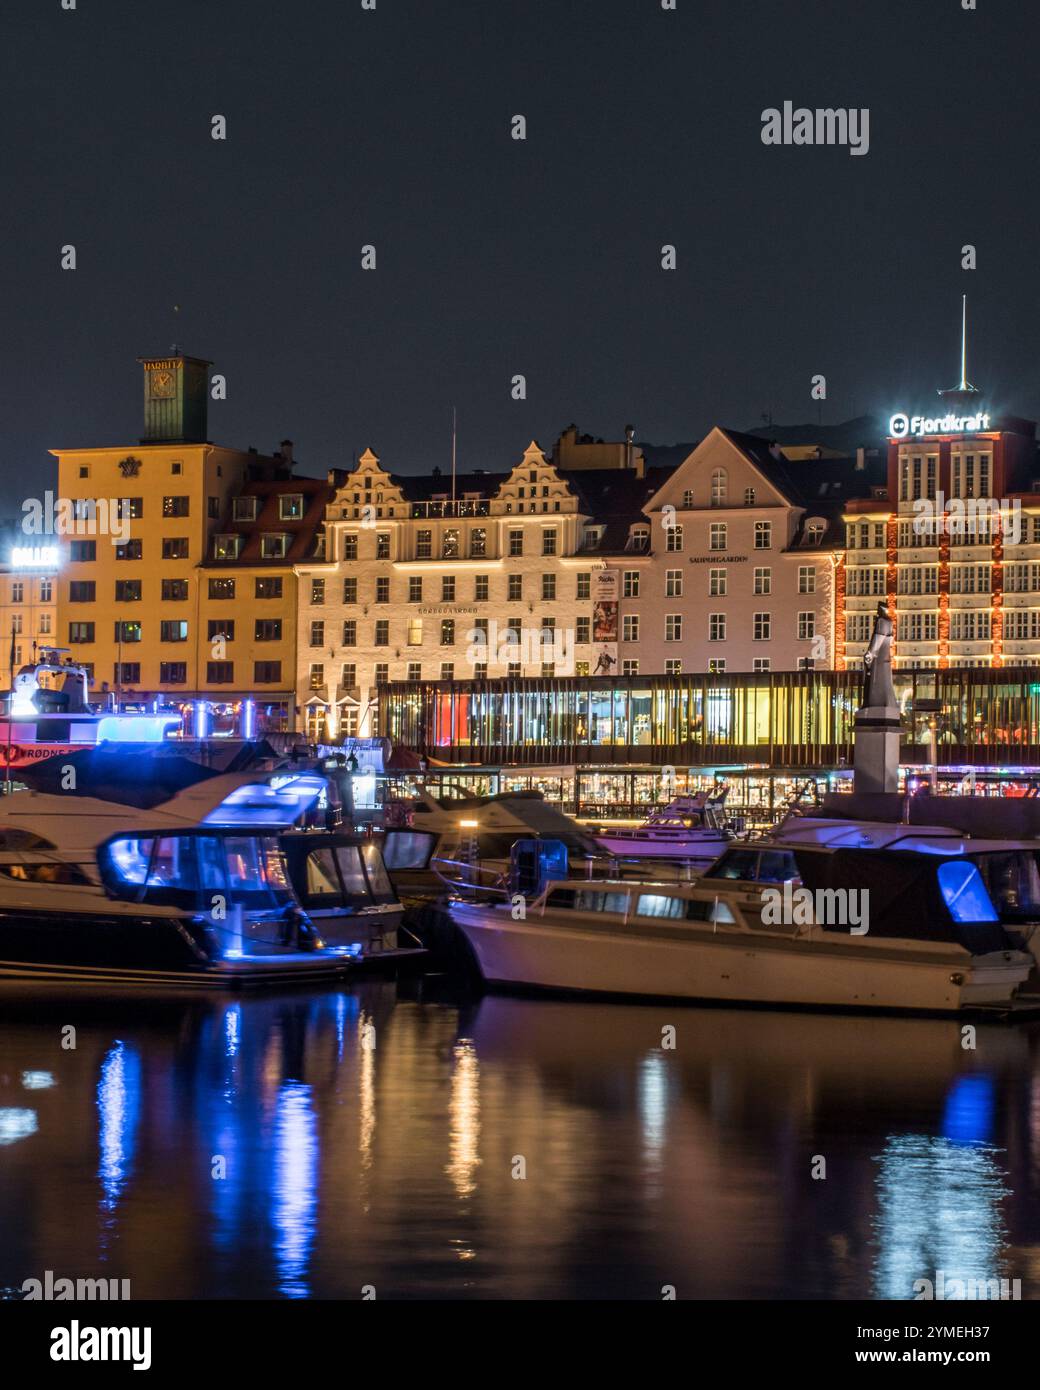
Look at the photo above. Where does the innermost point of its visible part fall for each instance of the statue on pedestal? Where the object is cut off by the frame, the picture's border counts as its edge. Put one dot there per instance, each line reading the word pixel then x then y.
pixel 878 690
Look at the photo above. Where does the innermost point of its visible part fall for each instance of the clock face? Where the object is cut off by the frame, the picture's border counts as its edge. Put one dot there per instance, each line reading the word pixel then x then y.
pixel 162 382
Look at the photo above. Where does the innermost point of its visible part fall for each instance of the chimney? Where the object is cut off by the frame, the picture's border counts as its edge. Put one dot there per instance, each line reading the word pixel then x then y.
pixel 861 460
pixel 285 450
pixel 775 450
pixel 630 434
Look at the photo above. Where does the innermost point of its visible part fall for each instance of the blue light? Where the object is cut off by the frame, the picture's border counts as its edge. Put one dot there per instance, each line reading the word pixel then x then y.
pixel 118 1103
pixel 968 1117
pixel 279 802
pixel 119 728
pixel 964 892
pixel 249 719
pixel 37 1080
pixel 16 1124
pixel 201 708
pixel 295 1186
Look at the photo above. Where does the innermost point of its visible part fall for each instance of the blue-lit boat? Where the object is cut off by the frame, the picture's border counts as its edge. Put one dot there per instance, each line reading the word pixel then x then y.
pixel 191 893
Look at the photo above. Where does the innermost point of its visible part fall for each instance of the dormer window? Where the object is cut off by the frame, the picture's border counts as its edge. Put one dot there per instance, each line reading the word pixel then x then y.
pixel 815 531
pixel 245 508
pixel 227 547
pixel 639 539
pixel 274 545
pixel 290 506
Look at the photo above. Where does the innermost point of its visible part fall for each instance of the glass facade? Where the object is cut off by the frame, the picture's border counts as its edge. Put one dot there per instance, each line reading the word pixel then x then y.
pixel 788 719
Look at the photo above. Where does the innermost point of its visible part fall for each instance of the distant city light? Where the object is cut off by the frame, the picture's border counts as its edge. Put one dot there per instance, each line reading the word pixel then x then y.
pixel 34 557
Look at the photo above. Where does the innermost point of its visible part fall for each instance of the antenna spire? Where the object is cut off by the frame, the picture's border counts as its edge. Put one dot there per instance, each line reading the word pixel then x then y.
pixel 964 342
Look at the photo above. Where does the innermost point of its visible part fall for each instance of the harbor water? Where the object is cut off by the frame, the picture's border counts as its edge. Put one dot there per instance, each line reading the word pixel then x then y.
pixel 393 1141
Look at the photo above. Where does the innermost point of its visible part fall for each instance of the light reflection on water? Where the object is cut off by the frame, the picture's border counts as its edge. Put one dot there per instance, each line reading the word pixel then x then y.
pixel 314 1144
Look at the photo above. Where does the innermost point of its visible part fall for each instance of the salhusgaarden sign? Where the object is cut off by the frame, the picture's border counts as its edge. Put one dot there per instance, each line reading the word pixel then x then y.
pixel 901 425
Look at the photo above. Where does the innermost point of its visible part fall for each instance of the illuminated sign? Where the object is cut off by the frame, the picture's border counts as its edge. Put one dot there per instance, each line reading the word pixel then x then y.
pixel 900 425
pixel 34 557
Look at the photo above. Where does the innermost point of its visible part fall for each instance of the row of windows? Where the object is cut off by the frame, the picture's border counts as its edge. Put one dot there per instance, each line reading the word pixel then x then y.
pixel 966 625
pixel 46 594
pixel 969 476
pixel 176 630
pixel 451 543
pixel 872 580
pixel 449 588
pixel 176 672
pixel 43 624
pixel 173 590
pixel 86 508
pixel 761 627
pixel 871 535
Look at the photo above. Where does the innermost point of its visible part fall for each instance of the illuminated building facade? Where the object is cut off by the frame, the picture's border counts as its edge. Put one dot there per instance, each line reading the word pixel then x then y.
pixel 28 604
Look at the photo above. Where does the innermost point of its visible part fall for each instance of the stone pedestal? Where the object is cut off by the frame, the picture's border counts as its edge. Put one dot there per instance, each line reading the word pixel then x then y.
pixel 876 753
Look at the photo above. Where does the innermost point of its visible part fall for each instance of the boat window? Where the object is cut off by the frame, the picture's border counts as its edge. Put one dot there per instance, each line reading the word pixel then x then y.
pixel 211 865
pixel 776 866
pixel 736 863
pixel 11 838
pixel 243 861
pixel 589 900
pixel 275 870
pixel 171 863
pixel 44 873
pixel 376 870
pixel 408 849
pixel 660 905
pixel 130 859
pixel 1012 880
pixel 964 892
pixel 322 881
pixel 349 861
pixel 561 897
pixel 708 910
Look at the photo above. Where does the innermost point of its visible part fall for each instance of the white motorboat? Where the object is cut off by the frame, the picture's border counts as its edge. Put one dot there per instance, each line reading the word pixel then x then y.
pixel 773 923
pixel 688 828
pixel 188 894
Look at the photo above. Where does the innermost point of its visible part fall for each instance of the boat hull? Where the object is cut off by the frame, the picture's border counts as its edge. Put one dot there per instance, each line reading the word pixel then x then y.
pixel 735 967
pixel 634 846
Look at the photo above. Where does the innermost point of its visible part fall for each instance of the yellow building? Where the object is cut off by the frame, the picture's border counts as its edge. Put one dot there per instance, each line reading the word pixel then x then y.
pixel 142 573
pixel 28 606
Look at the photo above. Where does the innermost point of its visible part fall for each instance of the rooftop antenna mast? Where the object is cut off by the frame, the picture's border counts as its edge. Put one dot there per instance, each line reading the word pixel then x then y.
pixel 454 423
pixel 964 392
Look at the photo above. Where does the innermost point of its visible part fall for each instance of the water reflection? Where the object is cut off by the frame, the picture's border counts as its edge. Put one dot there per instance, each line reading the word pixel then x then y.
pixel 317 1143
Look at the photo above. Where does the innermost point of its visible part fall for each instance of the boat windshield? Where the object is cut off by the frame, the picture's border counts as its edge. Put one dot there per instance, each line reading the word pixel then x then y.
pixel 1012 879
pixel 348 876
pixel 755 866
pixel 189 869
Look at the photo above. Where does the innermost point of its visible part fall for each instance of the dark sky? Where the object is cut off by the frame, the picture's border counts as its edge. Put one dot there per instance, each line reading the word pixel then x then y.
pixel 497 257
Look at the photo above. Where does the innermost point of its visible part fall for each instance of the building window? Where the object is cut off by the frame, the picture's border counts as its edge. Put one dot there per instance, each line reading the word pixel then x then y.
pixel 245 508
pixel 173 630
pixel 807 579
pixel 749 501
pixel 381 676
pixel 549 541
pixel 81 552
pixel 175 506
pixel 763 580
pixel 548 587
pixel 350 632
pixel 630 584
pixel 673 583
pixel 317 591
pixel 762 627
pixel 630 666
pixel 806 626
pixel 45 624
pixel 673 539
pixel 414 589
pixel 447 670
pixel 317 675
pixel 221 588
pixel 448 588
pixel 130 550
pixel 173 673
pixel 317 633
pixel 290 506
pixel 717 583
pixel 227 547
pixel 717 536
pixel 481 590
pixel 382 545
pixel 583 630
pixel 269 587
pixel 267 672
pixel 716 627
pixel 673 666
pixel 132 507
pixel 274 545
pixel 220 628
pixel 760 663
pixel 349 676
pixel 82 590
pixel 350 546
pixel 382 633
pixel 630 628
pixel 80 632
pixel 478 542
pixel 516 542
pixel 673 627
pixel 718 488
pixel 414 671
pixel 350 591
pixel 516 588
pixel 175 548
pixel 717 666
pixel 449 545
pixel 584 587
pixel 127 591
pixel 415 631
pixel 127 631
pixel 447 632
pixel 423 545
pixel 383 589
pixel 267 630
pixel 763 535
pixel 127 672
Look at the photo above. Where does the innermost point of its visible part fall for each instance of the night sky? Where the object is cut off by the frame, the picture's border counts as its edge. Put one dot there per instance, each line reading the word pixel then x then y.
pixel 498 257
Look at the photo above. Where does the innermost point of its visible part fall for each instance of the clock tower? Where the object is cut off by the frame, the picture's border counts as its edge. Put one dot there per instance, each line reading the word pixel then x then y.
pixel 175 399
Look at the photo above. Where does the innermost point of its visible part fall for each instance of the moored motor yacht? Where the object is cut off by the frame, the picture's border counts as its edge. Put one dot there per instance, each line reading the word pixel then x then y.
pixel 688 828
pixel 188 894
pixel 933 939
